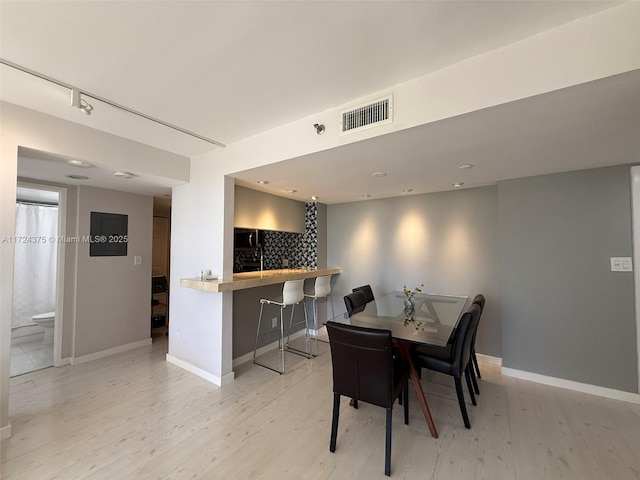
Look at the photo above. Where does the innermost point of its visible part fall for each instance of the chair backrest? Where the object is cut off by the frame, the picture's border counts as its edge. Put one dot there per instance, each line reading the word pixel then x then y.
pixel 323 286
pixel 355 302
pixel 367 292
pixel 480 300
pixel 293 292
pixel 362 361
pixel 462 344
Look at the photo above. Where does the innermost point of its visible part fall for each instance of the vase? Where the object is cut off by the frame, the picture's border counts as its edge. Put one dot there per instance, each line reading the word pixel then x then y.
pixel 409 306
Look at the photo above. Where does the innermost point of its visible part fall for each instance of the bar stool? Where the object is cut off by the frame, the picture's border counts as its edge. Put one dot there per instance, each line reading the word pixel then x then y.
pixel 322 289
pixel 292 294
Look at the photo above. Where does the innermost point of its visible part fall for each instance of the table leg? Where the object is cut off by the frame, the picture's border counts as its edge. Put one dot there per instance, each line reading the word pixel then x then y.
pixel 417 386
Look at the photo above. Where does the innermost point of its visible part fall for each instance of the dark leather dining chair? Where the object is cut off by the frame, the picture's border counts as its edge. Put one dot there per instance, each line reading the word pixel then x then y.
pixel 457 363
pixel 364 369
pixel 355 302
pixel 480 300
pixel 367 292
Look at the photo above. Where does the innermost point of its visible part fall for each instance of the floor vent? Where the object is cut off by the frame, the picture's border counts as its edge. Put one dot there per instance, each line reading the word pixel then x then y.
pixel 369 115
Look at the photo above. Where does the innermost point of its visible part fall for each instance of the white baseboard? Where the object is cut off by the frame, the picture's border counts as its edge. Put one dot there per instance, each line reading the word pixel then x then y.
pixel 262 350
pixel 489 359
pixel 571 385
pixel 63 362
pixel 209 377
pixel 109 351
pixel 5 432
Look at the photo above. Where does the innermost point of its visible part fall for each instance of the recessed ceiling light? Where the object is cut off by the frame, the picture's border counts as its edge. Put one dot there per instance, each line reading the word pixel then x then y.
pixel 366 196
pixel 457 185
pixel 407 190
pixel 122 174
pixel 314 198
pixel 465 166
pixel 379 174
pixel 291 191
pixel 262 182
pixel 77 177
pixel 80 163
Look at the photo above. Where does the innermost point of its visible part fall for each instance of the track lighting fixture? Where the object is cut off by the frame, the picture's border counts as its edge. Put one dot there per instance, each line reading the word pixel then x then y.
pixel 319 128
pixel 86 107
pixel 79 102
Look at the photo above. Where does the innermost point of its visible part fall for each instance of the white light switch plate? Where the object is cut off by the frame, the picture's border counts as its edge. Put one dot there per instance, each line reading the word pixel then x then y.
pixel 137 260
pixel 621 264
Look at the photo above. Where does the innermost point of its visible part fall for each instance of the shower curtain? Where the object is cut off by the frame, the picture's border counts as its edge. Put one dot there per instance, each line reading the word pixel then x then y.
pixel 34 273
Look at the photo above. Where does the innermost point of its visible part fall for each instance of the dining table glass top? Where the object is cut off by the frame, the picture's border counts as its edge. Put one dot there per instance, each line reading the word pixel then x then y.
pixel 435 318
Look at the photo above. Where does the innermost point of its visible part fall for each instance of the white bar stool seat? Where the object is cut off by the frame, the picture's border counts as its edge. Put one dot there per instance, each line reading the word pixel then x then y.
pixel 322 289
pixel 292 294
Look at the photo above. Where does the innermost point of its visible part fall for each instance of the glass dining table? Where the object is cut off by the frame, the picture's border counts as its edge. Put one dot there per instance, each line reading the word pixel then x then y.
pixel 432 323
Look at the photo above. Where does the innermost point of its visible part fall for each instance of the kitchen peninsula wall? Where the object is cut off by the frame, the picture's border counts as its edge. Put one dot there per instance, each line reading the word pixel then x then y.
pixel 304 245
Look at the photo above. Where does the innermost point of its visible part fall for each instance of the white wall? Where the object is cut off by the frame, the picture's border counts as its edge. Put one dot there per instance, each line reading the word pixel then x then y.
pixel 200 330
pixel 601 45
pixel 27 128
pixel 595 47
pixel 604 44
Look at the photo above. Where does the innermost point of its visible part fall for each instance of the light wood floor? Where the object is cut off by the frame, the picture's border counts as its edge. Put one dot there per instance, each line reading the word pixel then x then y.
pixel 135 416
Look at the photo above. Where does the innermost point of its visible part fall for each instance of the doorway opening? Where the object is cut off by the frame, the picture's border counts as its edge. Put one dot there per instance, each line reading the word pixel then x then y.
pixel 160 267
pixel 38 279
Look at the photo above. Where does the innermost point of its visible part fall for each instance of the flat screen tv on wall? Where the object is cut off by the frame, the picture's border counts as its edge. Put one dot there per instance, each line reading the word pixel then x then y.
pixel 108 235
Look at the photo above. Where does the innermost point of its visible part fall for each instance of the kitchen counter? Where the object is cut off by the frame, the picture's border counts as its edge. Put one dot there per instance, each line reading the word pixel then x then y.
pixel 244 280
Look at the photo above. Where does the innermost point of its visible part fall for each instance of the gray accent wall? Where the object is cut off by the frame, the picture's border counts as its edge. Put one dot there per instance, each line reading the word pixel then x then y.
pixel 565 314
pixel 113 296
pixel 447 240
pixel 539 248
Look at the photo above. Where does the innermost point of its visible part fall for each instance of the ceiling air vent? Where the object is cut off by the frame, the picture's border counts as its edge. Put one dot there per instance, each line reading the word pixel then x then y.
pixel 370 115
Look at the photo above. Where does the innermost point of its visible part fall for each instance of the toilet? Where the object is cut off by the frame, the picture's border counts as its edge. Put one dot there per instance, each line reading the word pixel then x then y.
pixel 46 321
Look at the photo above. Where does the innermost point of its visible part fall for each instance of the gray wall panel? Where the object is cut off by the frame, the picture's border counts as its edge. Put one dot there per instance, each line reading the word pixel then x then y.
pixel 448 241
pixel 565 314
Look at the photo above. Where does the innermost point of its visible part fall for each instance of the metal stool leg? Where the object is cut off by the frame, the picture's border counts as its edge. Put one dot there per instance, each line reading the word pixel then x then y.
pixel 333 312
pixel 292 294
pixel 295 350
pixel 315 319
pixel 258 332
pixel 282 336
pixel 329 299
pixel 280 341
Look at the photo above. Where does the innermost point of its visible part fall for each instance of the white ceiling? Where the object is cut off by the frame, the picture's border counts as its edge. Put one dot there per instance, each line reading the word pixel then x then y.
pixel 37 165
pixel 590 125
pixel 228 70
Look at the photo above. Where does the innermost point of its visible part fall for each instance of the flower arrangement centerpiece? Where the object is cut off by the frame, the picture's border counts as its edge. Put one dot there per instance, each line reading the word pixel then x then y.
pixel 409 301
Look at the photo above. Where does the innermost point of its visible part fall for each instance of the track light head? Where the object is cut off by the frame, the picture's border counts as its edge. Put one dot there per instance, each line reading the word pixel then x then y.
pixel 319 128
pixel 80 103
pixel 87 108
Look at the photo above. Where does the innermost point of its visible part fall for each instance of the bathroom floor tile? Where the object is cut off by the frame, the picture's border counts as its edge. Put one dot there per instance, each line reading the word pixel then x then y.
pixel 27 356
pixel 20 362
